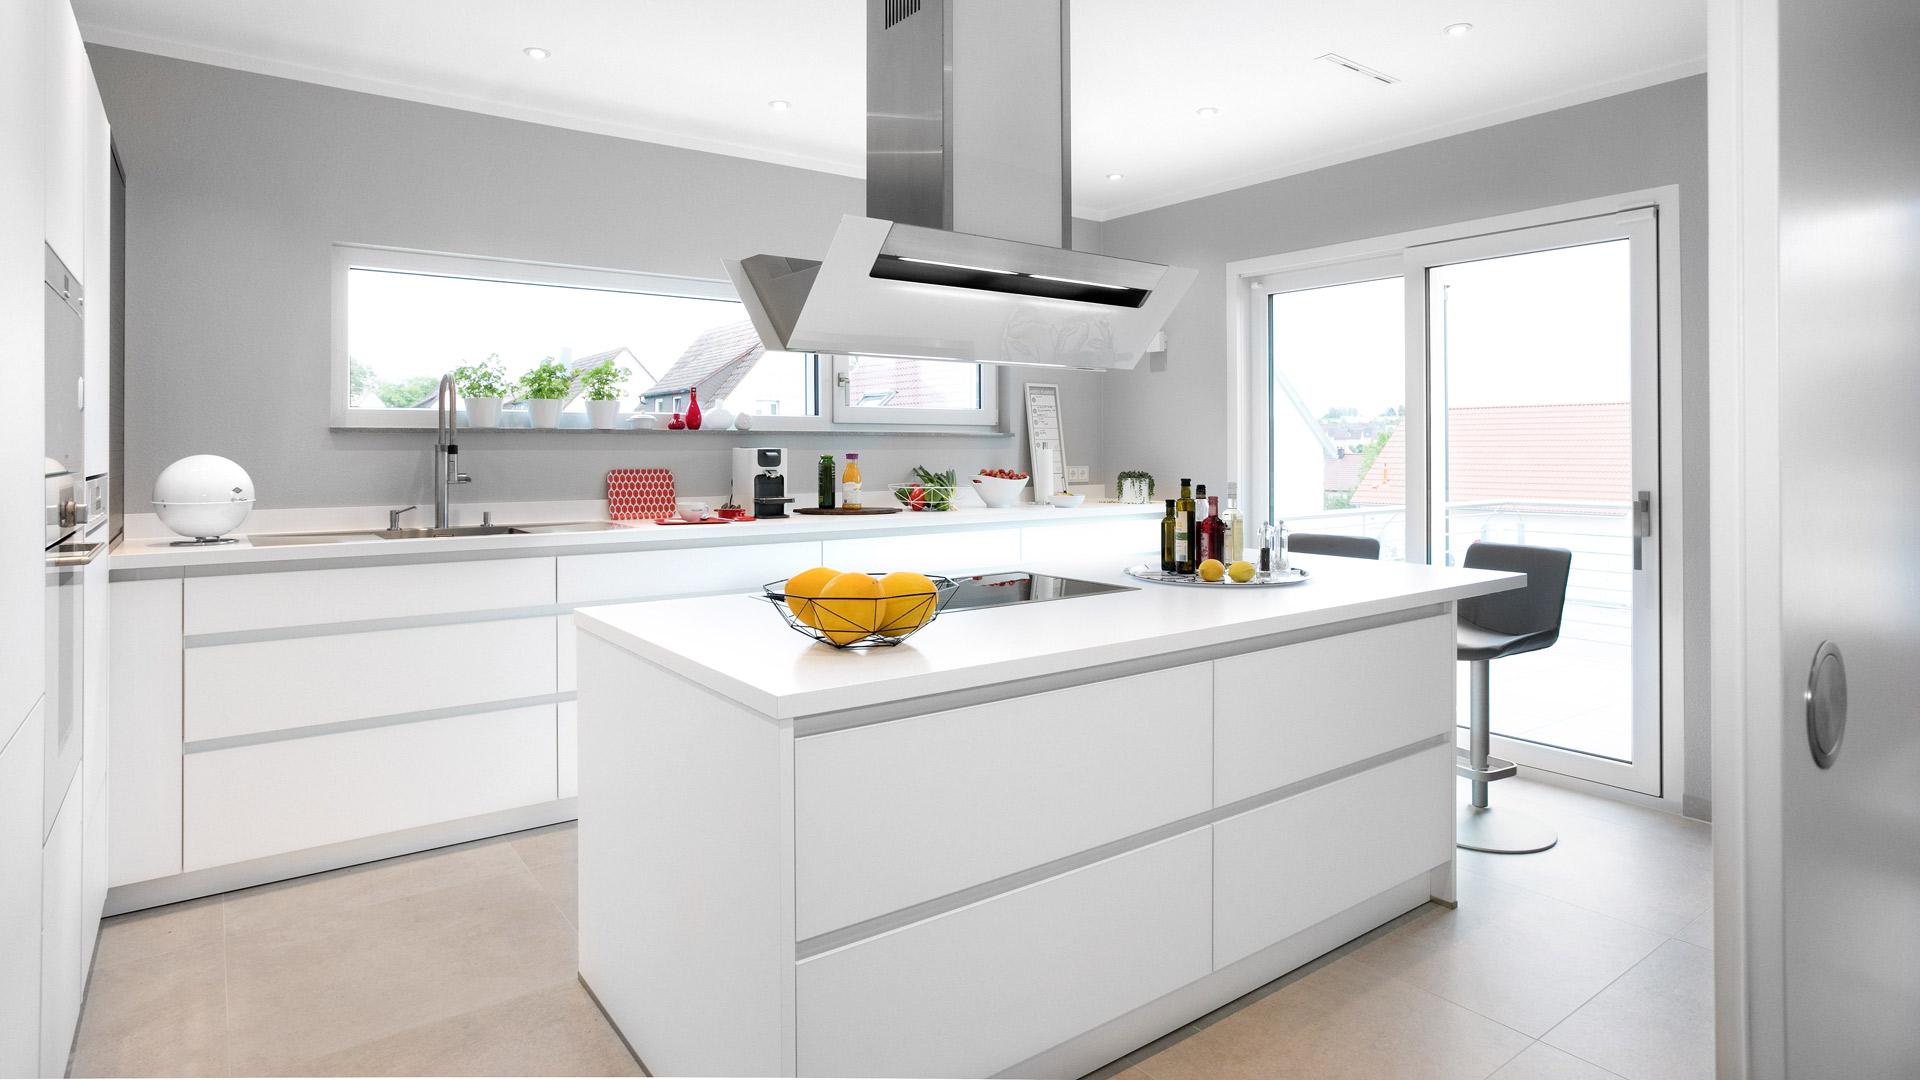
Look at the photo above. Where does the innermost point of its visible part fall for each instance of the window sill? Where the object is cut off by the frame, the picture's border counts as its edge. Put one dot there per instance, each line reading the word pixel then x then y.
pixel 705 433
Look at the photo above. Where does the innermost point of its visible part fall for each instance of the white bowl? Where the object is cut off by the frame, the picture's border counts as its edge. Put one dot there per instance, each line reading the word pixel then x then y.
pixel 1066 501
pixel 203 496
pixel 997 492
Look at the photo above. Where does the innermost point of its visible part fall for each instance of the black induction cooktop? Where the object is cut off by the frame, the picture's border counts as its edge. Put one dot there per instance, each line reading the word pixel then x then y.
pixel 1019 587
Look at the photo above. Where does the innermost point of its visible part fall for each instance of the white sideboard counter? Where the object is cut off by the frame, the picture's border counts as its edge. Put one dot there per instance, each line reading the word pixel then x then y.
pixel 1024 842
pixel 286 709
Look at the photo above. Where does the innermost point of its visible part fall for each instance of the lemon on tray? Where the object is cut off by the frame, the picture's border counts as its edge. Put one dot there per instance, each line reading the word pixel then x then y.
pixel 1211 570
pixel 909 603
pixel 848 608
pixel 1241 571
pixel 803 588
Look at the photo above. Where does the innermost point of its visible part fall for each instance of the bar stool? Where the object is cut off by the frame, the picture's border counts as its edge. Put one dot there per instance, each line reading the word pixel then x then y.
pixel 1350 547
pixel 1491 627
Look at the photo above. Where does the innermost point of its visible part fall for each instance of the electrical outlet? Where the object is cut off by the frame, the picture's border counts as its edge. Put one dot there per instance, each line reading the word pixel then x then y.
pixel 1076 474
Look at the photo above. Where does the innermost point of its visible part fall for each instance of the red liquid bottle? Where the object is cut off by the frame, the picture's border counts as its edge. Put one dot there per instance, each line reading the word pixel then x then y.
pixel 693 411
pixel 1212 532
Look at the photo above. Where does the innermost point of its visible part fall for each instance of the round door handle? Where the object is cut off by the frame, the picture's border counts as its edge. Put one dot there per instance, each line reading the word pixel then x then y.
pixel 1826 704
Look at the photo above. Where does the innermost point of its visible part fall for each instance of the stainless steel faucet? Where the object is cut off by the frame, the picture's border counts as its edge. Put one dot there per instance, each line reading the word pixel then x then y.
pixel 446 456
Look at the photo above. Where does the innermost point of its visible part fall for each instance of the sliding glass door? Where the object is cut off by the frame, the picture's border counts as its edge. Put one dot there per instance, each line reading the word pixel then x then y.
pixel 1541 369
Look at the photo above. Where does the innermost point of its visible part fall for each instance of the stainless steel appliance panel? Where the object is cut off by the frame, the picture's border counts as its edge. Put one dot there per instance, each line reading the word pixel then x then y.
pixel 65 431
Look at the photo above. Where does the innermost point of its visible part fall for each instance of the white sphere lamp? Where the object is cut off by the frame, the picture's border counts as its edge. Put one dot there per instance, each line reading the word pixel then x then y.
pixel 203 497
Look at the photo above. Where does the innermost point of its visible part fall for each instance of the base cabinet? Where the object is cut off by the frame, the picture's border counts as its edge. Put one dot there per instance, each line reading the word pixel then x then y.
pixel 985 987
pixel 61 931
pixel 1282 867
pixel 21 767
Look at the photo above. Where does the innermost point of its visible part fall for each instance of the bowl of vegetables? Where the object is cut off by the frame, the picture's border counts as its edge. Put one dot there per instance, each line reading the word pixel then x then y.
pixel 927 490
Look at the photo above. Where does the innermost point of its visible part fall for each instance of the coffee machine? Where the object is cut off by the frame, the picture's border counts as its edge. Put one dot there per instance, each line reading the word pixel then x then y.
pixel 760 480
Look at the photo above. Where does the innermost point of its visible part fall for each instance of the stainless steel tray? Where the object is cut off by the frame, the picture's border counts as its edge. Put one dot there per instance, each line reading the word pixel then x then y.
pixel 1268 580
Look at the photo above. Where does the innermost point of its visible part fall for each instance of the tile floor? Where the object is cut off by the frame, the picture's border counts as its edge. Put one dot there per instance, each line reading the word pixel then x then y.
pixel 1587 962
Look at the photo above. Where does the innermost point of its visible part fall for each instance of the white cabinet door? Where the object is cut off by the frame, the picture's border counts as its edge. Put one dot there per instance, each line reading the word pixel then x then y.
pixel 65 104
pixel 1286 714
pixel 22 354
pixel 97 273
pixel 21 769
pixel 894 814
pixel 928 553
pixel 239 602
pixel 983 988
pixel 569 746
pixel 95 681
pixel 1283 867
pixel 60 935
pixel 143 769
pixel 260 686
pixel 252 801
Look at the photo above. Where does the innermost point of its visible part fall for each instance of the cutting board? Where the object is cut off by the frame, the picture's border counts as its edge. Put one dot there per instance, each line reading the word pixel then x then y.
pixel 639 494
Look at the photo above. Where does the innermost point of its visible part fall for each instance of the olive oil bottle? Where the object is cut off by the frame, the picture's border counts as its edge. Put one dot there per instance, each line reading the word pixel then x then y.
pixel 1169 528
pixel 1183 561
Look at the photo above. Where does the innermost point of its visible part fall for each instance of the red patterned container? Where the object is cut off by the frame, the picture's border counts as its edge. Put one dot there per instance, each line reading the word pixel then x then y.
pixel 639 494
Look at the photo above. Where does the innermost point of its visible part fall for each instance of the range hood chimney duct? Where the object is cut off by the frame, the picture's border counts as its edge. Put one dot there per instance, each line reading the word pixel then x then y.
pixel 965 252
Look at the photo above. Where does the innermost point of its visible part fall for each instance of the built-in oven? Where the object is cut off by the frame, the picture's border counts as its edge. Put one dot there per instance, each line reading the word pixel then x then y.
pixel 67 510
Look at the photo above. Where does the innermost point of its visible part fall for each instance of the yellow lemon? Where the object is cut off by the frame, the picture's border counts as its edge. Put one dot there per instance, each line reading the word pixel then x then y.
pixel 848 608
pixel 1241 571
pixel 909 603
pixel 1211 570
pixel 804 587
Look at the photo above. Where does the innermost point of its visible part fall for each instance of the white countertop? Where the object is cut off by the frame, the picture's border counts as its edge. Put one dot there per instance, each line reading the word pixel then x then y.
pixel 739 648
pixel 142 555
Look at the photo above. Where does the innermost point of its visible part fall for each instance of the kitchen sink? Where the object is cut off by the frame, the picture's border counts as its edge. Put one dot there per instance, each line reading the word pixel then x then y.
pixel 361 535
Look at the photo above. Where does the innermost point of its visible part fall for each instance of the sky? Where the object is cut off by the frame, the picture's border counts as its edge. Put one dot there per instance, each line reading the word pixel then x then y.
pixel 1547 327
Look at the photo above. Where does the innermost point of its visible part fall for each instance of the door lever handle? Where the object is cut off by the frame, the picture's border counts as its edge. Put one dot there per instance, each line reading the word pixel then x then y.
pixel 1642 525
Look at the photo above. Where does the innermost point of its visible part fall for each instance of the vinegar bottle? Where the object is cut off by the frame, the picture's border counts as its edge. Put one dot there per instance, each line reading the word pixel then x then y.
pixel 1183 561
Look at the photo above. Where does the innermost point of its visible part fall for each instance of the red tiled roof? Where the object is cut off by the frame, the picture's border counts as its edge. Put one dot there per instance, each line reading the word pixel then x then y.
pixel 1577 452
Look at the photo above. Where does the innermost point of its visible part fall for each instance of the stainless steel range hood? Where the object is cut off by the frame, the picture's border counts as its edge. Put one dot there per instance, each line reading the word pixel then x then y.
pixel 964 254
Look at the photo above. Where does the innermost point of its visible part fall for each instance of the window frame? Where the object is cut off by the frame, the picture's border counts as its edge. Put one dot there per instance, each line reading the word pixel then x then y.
pixel 845 414
pixel 831 410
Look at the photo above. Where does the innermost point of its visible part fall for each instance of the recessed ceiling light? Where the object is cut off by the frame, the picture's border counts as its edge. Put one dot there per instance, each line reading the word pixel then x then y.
pixel 535 52
pixel 1459 29
pixel 777 105
pixel 1115 177
pixel 1206 112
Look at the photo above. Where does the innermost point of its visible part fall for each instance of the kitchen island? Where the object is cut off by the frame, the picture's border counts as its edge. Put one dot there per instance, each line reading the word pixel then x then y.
pixel 1025 842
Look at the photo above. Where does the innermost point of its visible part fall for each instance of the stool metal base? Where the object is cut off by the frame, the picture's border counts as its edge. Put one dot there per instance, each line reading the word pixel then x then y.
pixel 1502 831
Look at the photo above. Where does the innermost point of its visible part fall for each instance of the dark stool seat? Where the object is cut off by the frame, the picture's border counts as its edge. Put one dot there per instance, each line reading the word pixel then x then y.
pixel 1490 628
pixel 1349 547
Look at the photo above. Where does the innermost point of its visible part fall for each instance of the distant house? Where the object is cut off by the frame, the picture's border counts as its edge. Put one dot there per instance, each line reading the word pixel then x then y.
pixel 716 364
pixel 1520 453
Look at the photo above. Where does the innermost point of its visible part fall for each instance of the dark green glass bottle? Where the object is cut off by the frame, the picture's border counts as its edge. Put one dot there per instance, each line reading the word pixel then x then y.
pixel 829 482
pixel 1183 528
pixel 1169 526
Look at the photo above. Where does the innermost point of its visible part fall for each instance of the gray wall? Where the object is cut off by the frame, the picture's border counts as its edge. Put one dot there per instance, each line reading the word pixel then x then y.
pixel 1173 423
pixel 239 183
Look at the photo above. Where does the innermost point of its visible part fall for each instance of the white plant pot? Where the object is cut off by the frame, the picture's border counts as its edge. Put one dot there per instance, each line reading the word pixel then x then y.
pixel 1134 492
pixel 483 411
pixel 545 412
pixel 603 414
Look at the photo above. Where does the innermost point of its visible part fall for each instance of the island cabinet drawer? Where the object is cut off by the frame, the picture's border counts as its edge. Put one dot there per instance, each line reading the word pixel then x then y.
pixel 259 686
pixel 925 552
pixel 894 814
pixel 644 575
pixel 569 748
pixel 246 802
pixel 985 987
pixel 1285 714
pixel 1279 869
pixel 241 602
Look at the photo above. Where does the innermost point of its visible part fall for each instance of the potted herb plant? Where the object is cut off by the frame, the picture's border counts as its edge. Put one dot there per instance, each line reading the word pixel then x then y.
pixel 547 388
pixel 601 384
pixel 483 387
pixel 1135 486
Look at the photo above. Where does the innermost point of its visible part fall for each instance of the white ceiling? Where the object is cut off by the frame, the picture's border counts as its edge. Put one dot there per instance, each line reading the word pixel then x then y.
pixel 699 73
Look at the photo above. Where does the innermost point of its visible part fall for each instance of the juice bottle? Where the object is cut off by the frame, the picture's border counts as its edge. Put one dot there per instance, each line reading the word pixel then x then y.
pixel 850 484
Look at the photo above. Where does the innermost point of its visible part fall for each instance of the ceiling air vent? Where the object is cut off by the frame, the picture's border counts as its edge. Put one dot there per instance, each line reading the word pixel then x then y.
pixel 1359 69
pixel 901 9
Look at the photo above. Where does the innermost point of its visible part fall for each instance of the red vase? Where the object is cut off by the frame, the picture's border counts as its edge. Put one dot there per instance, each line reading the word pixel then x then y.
pixel 676 424
pixel 693 412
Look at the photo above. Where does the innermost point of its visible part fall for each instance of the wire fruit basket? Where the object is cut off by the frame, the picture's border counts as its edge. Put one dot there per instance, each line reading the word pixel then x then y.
pixel 862 622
